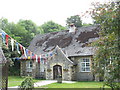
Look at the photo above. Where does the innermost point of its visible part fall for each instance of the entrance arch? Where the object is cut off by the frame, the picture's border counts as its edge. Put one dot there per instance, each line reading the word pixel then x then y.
pixel 57 70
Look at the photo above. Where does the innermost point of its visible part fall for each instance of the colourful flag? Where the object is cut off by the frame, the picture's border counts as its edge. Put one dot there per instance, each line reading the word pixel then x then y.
pixel 51 54
pixel 24 52
pixel 33 56
pixel 21 48
pixel 12 44
pixel 36 58
pixel 7 37
pixel 28 57
pixel 17 47
pixel 3 37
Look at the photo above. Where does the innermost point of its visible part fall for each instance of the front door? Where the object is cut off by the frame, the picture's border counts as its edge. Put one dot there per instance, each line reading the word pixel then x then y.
pixel 57 70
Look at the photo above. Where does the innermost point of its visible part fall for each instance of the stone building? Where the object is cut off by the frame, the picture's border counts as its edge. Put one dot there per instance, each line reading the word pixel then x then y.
pixel 73 55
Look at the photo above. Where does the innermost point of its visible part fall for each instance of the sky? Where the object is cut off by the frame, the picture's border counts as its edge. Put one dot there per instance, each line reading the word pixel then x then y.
pixel 41 11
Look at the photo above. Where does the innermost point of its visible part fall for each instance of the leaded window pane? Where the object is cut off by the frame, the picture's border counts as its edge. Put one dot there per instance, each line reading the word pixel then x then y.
pixel 85 64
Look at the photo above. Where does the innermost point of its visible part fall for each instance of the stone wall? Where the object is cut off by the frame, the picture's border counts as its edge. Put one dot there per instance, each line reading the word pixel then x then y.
pixel 70 70
pixel 81 76
pixel 23 68
pixel 59 59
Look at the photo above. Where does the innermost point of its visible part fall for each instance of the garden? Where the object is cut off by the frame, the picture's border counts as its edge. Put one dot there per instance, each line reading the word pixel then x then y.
pixel 17 80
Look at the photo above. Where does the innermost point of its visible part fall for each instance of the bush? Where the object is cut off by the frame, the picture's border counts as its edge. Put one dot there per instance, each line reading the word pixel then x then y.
pixel 27 84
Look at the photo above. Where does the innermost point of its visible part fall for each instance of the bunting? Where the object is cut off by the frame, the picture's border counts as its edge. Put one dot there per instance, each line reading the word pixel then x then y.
pixel 36 58
pixel 26 54
pixel 7 37
pixel 3 37
pixel 12 44
pixel 17 47
pixel 39 58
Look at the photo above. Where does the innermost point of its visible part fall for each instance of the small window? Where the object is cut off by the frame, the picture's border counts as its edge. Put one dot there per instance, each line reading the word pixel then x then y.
pixel 85 65
pixel 29 64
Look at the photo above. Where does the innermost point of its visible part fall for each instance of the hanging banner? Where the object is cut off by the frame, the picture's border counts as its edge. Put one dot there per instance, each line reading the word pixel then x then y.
pixel 12 44
pixel 7 37
pixel 17 47
pixel 26 54
pixel 36 58
pixel 3 37
pixel 39 58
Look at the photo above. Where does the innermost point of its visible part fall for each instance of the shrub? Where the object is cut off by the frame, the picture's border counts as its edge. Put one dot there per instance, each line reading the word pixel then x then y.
pixel 27 84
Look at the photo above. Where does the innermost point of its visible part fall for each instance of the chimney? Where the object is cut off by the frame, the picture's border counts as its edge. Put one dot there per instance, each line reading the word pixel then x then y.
pixel 72 28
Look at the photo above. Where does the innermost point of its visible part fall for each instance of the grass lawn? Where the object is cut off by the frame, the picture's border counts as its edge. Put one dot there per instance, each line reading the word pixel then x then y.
pixel 16 80
pixel 75 85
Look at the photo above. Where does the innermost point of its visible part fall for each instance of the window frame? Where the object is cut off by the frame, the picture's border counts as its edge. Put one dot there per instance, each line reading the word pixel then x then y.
pixel 30 64
pixel 85 62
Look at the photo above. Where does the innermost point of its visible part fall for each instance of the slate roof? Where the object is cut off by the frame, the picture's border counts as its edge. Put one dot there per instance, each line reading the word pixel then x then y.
pixel 72 44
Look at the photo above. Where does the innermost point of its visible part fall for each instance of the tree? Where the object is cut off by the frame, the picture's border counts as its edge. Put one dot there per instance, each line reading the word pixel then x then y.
pixel 107 56
pixel 51 26
pixel 86 24
pixel 20 34
pixel 74 20
pixel 3 23
pixel 30 26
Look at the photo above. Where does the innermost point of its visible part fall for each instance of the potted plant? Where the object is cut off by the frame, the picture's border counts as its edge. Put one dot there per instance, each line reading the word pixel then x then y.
pixel 65 69
pixel 49 70
pixel 59 78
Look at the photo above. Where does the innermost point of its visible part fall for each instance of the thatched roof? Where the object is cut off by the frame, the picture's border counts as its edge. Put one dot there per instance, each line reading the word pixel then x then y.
pixel 73 44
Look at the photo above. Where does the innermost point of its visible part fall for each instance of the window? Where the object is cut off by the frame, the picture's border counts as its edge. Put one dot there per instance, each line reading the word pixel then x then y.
pixel 29 66
pixel 85 65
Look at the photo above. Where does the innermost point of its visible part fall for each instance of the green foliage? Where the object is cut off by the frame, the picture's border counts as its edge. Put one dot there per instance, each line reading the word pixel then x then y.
pixel 86 24
pixel 107 59
pixel 29 26
pixel 27 84
pixel 23 32
pixel 20 31
pixel 74 20
pixel 14 67
pixel 14 70
pixel 17 80
pixel 51 26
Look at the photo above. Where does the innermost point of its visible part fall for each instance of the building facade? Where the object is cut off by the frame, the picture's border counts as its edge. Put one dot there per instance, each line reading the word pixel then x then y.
pixel 72 59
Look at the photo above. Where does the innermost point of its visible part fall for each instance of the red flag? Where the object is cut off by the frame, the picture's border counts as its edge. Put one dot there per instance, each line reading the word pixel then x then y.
pixel 29 52
pixel 7 37
pixel 21 48
pixel 33 56
pixel 38 59
pixel 45 60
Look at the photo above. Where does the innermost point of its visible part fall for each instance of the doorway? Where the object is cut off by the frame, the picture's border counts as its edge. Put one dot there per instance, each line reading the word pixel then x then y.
pixel 57 70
